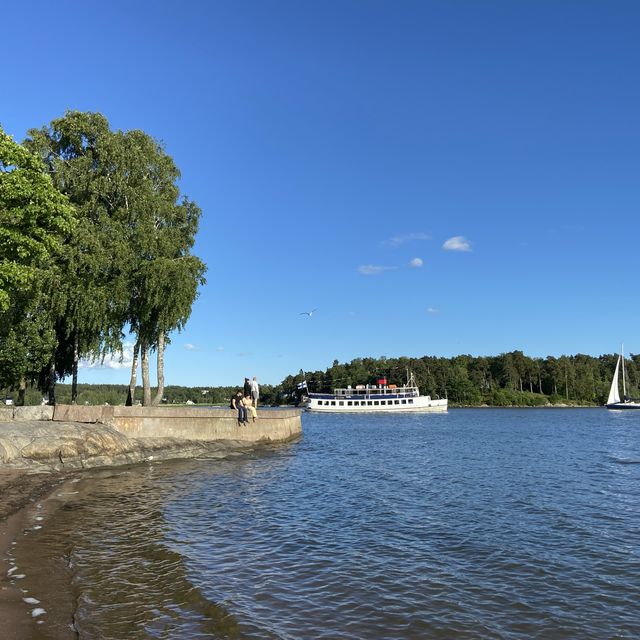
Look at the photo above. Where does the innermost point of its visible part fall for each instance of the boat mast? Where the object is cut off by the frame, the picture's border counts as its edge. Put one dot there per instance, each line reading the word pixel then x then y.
pixel 624 381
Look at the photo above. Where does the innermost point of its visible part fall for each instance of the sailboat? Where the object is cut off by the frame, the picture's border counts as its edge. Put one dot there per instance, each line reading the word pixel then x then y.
pixel 614 401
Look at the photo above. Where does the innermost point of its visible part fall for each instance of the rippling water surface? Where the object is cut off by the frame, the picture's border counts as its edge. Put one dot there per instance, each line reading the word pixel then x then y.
pixel 475 524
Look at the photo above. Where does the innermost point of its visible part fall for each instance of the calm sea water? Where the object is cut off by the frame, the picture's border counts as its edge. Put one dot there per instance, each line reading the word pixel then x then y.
pixel 475 524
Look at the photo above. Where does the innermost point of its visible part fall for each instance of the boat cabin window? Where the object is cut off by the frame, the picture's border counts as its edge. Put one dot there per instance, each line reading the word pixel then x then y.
pixel 369 402
pixel 376 402
pixel 349 403
pixel 333 403
pixel 410 400
pixel 319 402
pixel 341 403
pixel 404 402
pixel 397 401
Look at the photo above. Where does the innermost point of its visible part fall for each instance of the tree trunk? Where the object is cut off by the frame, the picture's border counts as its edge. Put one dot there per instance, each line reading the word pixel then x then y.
pixel 74 368
pixel 134 375
pixel 539 381
pixel 52 382
pixel 158 399
pixel 146 388
pixel 21 392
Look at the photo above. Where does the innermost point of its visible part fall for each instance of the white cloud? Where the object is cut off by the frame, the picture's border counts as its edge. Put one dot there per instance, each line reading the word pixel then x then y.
pixel 457 243
pixel 396 241
pixel 373 269
pixel 416 262
pixel 122 360
pixel 190 347
pixel 433 312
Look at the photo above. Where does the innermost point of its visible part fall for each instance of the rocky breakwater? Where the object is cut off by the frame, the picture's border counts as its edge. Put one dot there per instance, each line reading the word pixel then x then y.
pixel 69 437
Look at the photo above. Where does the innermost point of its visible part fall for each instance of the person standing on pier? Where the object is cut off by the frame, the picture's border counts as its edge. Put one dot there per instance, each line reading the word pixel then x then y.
pixel 255 392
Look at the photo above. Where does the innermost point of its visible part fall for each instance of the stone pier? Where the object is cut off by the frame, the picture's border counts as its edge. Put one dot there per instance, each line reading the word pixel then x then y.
pixel 74 436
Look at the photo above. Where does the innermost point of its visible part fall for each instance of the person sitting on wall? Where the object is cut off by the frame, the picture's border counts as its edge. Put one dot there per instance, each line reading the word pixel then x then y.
pixel 248 403
pixel 238 404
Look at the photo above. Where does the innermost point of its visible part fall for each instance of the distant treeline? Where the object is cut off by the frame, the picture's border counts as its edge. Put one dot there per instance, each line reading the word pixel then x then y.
pixel 505 380
pixel 116 394
pixel 510 379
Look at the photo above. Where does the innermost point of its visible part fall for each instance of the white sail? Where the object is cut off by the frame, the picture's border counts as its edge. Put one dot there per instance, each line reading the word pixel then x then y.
pixel 614 393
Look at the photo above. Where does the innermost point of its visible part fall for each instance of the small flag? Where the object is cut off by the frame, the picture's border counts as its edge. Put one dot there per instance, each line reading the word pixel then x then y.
pixel 302 385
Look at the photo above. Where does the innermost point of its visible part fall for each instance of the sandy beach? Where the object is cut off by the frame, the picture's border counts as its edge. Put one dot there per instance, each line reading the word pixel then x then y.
pixel 19 491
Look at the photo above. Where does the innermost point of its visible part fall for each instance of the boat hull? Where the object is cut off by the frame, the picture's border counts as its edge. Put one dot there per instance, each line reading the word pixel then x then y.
pixel 421 404
pixel 623 406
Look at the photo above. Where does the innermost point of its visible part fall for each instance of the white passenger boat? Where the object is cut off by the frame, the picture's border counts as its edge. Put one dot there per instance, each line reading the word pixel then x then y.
pixel 375 398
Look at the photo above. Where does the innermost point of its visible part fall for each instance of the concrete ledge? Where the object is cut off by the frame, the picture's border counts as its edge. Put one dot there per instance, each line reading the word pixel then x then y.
pixel 79 413
pixel 187 423
pixel 272 425
pixel 194 412
pixel 81 436
pixel 39 412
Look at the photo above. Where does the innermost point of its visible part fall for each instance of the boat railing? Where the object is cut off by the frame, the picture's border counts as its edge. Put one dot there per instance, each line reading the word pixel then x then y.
pixel 372 391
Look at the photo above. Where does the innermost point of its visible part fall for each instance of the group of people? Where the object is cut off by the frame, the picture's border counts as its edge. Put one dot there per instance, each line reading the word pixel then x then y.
pixel 246 401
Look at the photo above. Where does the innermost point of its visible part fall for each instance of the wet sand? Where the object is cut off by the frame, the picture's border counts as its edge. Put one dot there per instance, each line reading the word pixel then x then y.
pixel 18 493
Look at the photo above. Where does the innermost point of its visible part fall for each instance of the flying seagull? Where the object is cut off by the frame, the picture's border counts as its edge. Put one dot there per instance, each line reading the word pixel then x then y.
pixel 307 313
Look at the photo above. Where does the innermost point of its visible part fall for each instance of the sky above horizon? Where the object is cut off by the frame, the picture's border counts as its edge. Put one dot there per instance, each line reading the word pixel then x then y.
pixel 433 177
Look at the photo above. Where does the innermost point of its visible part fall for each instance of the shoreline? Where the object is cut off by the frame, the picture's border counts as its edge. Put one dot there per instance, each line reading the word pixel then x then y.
pixel 42 448
pixel 20 492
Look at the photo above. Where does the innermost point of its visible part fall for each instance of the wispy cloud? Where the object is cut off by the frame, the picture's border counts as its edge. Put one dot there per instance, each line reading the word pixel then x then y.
pixel 190 347
pixel 396 241
pixel 373 269
pixel 433 312
pixel 122 360
pixel 416 262
pixel 457 243
pixel 220 348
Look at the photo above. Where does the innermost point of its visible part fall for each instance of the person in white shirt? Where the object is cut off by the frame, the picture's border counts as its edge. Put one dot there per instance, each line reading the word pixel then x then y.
pixel 255 391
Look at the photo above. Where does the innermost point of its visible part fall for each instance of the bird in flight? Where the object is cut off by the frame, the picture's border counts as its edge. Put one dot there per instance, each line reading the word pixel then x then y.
pixel 308 313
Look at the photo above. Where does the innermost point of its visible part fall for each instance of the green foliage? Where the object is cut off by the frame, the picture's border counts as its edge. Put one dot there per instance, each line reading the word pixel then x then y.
pixel 35 219
pixel 510 379
pixel 129 263
pixel 114 394
pixel 467 377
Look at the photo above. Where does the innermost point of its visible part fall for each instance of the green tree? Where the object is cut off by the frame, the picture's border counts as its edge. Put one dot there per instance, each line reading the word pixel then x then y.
pixel 34 220
pixel 82 156
pixel 129 265
pixel 165 275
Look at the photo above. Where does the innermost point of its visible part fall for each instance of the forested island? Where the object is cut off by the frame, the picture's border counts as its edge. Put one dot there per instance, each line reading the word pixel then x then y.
pixel 509 379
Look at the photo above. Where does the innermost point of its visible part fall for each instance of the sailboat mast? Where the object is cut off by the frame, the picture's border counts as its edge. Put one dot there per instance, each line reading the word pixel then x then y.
pixel 624 379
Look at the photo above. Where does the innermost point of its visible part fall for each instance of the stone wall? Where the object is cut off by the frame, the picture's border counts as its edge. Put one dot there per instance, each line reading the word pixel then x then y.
pixel 40 412
pixel 187 423
pixel 74 437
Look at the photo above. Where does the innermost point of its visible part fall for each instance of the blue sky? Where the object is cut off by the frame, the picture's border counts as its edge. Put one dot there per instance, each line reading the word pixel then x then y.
pixel 435 177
